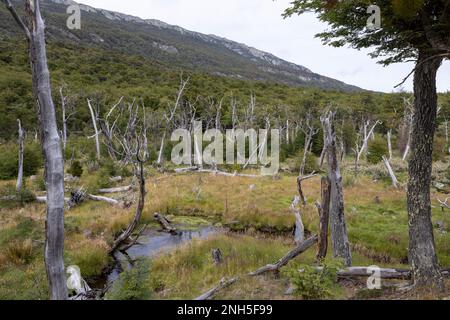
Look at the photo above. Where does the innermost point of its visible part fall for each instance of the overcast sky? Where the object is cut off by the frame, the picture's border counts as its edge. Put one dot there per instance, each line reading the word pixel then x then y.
pixel 258 23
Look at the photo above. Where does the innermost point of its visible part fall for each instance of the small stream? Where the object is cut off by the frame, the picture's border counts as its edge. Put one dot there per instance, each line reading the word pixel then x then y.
pixel 152 242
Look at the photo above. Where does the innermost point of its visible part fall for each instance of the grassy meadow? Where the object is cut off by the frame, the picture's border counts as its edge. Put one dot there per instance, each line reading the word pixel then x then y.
pixel 257 222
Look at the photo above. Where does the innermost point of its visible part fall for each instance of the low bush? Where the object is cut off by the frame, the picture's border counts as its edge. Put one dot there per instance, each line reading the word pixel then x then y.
pixel 9 197
pixel 9 159
pixel 312 284
pixel 76 169
pixel 133 284
pixel 377 149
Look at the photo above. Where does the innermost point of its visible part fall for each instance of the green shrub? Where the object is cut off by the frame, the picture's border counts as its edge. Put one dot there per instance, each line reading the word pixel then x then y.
pixel 11 198
pixel 99 180
pixel 9 160
pixel 39 183
pixel 311 284
pixel 311 164
pixel 133 284
pixel 377 149
pixel 109 167
pixel 76 169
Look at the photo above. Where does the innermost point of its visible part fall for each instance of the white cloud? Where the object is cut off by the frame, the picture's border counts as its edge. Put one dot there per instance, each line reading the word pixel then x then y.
pixel 258 23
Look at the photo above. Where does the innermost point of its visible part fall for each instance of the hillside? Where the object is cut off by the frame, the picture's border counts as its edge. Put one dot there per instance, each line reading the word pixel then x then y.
pixel 172 45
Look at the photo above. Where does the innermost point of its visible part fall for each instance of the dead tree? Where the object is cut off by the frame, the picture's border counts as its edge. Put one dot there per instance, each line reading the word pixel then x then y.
pixel 250 113
pixel 96 132
pixel 51 144
pixel 341 246
pixel 21 141
pixel 366 134
pixel 165 224
pixel 300 188
pixel 299 231
pixel 65 115
pixel 391 172
pixel 170 117
pixel 310 131
pixel 324 218
pixel 389 140
pixel 259 151
pixel 234 114
pixel 108 128
pixel 407 124
pixel 131 141
pixel 299 249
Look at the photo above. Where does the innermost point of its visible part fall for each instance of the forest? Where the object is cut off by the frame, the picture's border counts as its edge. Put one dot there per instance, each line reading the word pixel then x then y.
pixel 90 196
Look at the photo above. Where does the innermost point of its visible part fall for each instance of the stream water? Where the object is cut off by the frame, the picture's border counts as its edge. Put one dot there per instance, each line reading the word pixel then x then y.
pixel 151 243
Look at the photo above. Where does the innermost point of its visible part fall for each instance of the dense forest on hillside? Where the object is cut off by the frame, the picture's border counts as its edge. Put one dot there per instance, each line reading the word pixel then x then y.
pixel 106 76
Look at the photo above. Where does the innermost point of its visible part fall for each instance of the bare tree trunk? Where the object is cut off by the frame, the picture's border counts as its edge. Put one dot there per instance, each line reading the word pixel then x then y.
pixel 389 139
pixel 94 123
pixel 341 246
pixel 161 149
pixel 21 151
pixel 51 147
pixel 324 218
pixel 64 119
pixel 391 172
pixel 299 235
pixel 422 252
pixel 299 249
pixel 126 235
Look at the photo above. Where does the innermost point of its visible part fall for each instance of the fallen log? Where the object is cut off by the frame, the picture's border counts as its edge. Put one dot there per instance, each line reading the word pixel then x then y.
pixel 384 273
pixel 302 247
pixel 165 224
pixel 116 179
pixel 111 201
pixel 211 293
pixel 116 190
pixel 43 199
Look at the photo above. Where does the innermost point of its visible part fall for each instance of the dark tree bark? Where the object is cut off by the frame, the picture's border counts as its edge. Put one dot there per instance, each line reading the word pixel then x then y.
pixel 126 235
pixel 422 253
pixel 324 216
pixel 339 237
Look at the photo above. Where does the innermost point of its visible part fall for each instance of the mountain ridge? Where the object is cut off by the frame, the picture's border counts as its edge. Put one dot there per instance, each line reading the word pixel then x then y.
pixel 178 46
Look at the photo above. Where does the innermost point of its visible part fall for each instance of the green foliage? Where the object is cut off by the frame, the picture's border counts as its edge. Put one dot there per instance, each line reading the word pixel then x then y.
pixel 133 284
pixel 9 197
pixel 76 169
pixel 311 164
pixel 377 149
pixel 9 160
pixel 405 25
pixel 312 284
pixel 39 183
pixel 99 180
pixel 91 259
